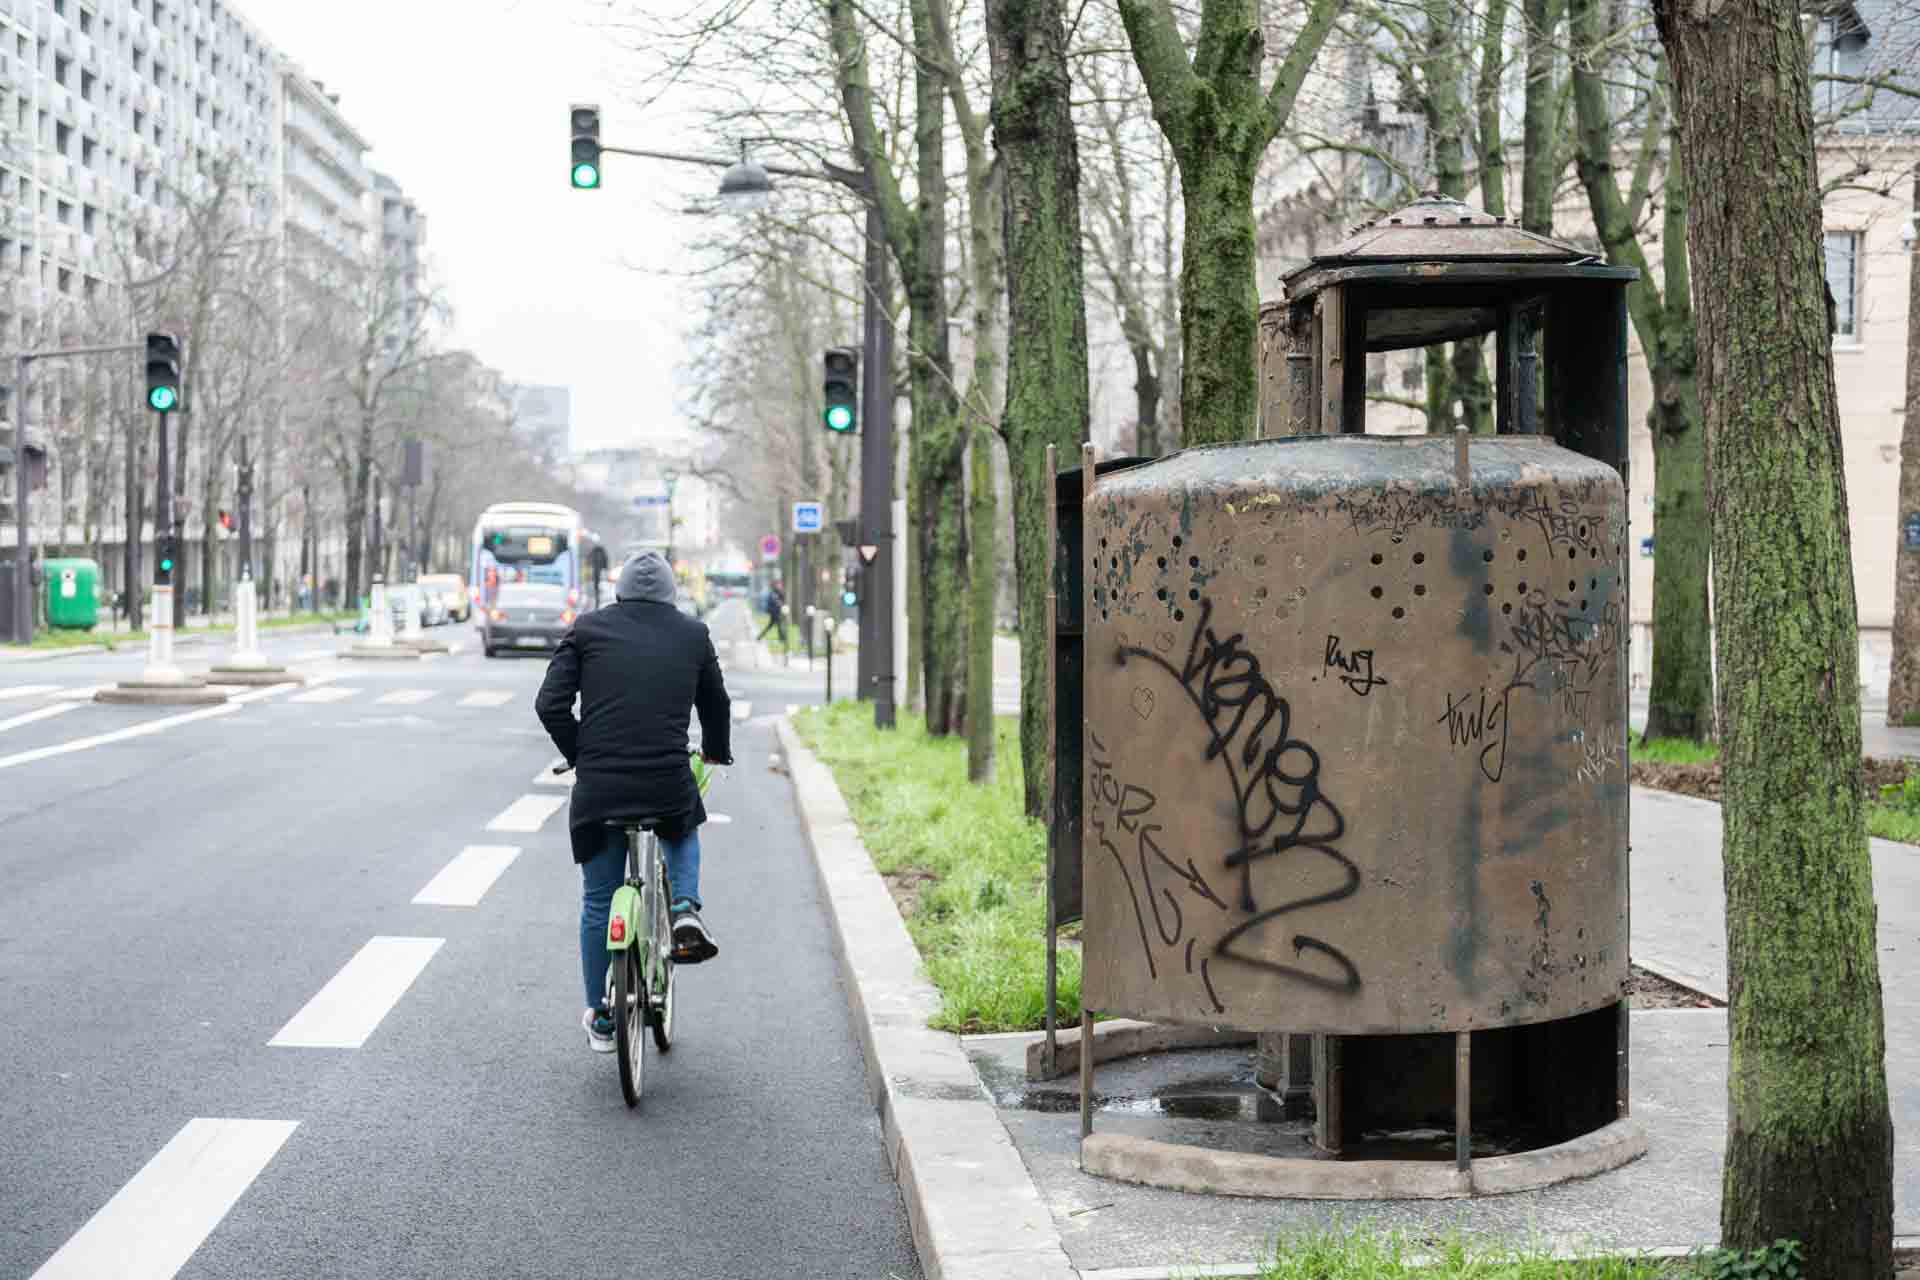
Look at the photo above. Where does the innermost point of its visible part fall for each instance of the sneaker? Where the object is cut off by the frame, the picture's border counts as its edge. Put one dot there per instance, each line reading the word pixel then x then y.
pixel 692 944
pixel 599 1025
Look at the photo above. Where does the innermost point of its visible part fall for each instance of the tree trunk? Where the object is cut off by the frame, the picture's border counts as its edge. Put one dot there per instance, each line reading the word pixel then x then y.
pixel 1903 679
pixel 1146 400
pixel 135 498
pixel 1680 692
pixel 1539 140
pixel 1809 1138
pixel 1220 300
pixel 983 518
pixel 1046 319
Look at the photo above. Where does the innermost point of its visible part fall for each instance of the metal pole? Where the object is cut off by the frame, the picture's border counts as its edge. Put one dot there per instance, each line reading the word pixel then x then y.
pixel 246 512
pixel 876 476
pixel 413 535
pixel 829 630
pixel 22 621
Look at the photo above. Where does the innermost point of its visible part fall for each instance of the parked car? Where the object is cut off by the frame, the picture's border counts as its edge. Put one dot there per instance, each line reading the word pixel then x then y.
pixel 451 588
pixel 526 615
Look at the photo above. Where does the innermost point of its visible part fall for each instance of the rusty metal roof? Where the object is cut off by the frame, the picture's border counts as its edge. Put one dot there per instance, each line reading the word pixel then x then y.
pixel 1437 228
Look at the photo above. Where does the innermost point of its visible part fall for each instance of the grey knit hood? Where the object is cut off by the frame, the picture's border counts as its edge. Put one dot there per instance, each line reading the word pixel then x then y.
pixel 646 577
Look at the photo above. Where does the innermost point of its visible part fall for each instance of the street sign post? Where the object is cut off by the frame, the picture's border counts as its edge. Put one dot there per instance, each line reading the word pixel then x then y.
pixel 809 517
pixel 770 548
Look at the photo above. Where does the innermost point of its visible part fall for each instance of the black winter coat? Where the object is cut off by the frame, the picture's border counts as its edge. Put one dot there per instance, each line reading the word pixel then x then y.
pixel 638 668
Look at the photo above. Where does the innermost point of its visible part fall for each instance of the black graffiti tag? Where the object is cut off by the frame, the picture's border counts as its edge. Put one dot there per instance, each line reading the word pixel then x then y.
pixel 1275 779
pixel 1356 668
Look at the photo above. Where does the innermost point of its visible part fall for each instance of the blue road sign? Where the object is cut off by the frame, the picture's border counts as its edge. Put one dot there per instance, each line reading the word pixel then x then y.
pixel 809 517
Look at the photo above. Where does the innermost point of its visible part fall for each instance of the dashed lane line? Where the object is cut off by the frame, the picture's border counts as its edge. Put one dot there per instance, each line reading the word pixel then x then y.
pixel 741 710
pixel 404 697
pixel 487 698
pixel 151 1226
pixel 41 713
pixel 326 693
pixel 346 1011
pixel 465 880
pixel 27 691
pixel 526 814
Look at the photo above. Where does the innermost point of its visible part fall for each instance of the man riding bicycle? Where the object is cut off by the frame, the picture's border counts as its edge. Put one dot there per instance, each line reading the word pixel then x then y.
pixel 639 667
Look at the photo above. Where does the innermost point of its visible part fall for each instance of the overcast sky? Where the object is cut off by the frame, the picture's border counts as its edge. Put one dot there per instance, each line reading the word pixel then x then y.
pixel 465 105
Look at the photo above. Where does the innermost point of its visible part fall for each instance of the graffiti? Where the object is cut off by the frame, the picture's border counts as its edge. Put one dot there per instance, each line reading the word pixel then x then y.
pixel 1356 668
pixel 1573 647
pixel 1600 753
pixel 1483 725
pixel 1397 512
pixel 1279 806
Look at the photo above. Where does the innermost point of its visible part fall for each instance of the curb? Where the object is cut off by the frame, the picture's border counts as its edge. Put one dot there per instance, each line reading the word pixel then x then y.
pixel 185 639
pixel 974 1209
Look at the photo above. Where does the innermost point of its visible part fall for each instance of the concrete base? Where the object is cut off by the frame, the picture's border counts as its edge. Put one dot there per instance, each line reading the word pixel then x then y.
pixel 191 692
pixel 1123 1038
pixel 1179 1167
pixel 253 676
pixel 378 653
pixel 426 644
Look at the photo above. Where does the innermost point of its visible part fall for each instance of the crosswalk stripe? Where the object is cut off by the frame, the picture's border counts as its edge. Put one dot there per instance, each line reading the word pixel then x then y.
pixel 27 690
pixel 327 693
pixel 548 778
pixel 526 813
pixel 40 713
pixel 404 697
pixel 151 1226
pixel 465 880
pixel 345 1012
pixel 313 655
pixel 487 698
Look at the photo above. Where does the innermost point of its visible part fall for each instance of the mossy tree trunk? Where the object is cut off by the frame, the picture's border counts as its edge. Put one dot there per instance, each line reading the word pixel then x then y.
pixel 1680 694
pixel 1047 321
pixel 917 234
pixel 985 570
pixel 1903 677
pixel 1218 119
pixel 1809 1151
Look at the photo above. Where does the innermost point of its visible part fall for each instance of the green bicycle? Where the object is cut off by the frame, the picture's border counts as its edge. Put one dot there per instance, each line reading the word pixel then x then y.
pixel 640 936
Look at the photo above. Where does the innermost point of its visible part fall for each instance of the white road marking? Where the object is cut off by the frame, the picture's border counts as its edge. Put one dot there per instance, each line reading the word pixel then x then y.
pixel 465 880
pixel 27 690
pixel 487 698
pixel 328 693
pixel 40 714
pixel 345 1012
pixel 120 735
pixel 792 707
pixel 404 697
pixel 83 694
pixel 526 813
pixel 720 818
pixel 154 1223
pixel 548 778
pixel 262 693
pixel 741 710
pixel 314 655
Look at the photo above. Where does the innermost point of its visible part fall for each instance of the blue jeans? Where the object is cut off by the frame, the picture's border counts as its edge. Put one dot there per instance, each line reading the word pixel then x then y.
pixel 604 873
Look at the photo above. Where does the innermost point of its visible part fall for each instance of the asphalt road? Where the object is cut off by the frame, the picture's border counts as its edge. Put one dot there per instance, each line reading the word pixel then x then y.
pixel 175 900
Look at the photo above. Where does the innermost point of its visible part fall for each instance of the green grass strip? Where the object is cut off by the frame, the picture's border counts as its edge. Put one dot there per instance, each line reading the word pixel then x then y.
pixel 980 923
pixel 1337 1253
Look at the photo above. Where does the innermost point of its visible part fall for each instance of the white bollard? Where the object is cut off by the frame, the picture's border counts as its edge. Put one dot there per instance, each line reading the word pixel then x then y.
pixel 412 632
pixel 380 619
pixel 246 631
pixel 160 668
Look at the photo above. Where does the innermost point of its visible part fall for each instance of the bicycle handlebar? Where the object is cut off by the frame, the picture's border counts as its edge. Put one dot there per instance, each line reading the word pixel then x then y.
pixel 563 767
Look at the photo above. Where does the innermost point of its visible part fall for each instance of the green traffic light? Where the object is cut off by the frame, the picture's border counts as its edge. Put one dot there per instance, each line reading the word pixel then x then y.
pixel 849 599
pixel 163 398
pixel 166 566
pixel 840 418
pixel 586 176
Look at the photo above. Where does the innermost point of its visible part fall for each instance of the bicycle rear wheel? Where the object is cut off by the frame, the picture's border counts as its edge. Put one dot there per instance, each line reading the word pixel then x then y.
pixel 662 1018
pixel 629 1018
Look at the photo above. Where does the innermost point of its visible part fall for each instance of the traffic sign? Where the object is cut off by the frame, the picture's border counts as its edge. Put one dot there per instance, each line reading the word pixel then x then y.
pixel 642 501
pixel 770 547
pixel 809 517
pixel 868 551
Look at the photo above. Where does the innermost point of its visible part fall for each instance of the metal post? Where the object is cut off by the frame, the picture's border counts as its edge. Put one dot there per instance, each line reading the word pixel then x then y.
pixel 22 621
pixel 1086 1072
pixel 246 601
pixel 1462 1100
pixel 1051 1050
pixel 829 631
pixel 160 668
pixel 876 476
pixel 246 512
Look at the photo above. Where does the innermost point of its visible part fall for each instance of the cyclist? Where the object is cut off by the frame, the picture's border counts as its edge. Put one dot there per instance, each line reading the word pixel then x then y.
pixel 639 667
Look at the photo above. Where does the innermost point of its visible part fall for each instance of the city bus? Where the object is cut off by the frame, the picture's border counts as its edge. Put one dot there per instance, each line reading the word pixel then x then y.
pixel 532 542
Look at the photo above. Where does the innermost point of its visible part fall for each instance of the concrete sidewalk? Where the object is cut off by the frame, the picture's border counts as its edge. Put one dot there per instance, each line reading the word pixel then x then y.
pixel 1666 1201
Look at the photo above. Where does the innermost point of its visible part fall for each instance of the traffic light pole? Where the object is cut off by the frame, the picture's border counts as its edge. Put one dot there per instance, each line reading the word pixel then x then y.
pixel 875 664
pixel 160 668
pixel 20 626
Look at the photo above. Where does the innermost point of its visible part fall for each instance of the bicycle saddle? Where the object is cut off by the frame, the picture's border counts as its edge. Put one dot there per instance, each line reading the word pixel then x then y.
pixel 644 821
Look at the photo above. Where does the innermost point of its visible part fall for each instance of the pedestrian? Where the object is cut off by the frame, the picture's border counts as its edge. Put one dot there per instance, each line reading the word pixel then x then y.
pixel 776 603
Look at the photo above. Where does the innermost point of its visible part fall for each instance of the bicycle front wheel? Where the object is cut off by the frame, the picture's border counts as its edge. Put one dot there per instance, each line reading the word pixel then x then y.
pixel 662 1018
pixel 629 1018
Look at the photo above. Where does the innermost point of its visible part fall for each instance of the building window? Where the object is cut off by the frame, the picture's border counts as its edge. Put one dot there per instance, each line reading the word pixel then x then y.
pixel 87 81
pixel 62 138
pixel 60 68
pixel 86 152
pixel 86 22
pixel 1843 281
pixel 87 213
pixel 65 214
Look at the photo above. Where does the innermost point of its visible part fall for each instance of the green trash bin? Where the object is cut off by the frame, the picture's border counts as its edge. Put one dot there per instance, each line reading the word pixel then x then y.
pixel 72 599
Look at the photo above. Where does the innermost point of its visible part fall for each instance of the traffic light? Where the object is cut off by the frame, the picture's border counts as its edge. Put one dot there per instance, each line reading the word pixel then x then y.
pixel 842 388
pixel 164 551
pixel 163 372
pixel 586 146
pixel 850 590
pixel 226 521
